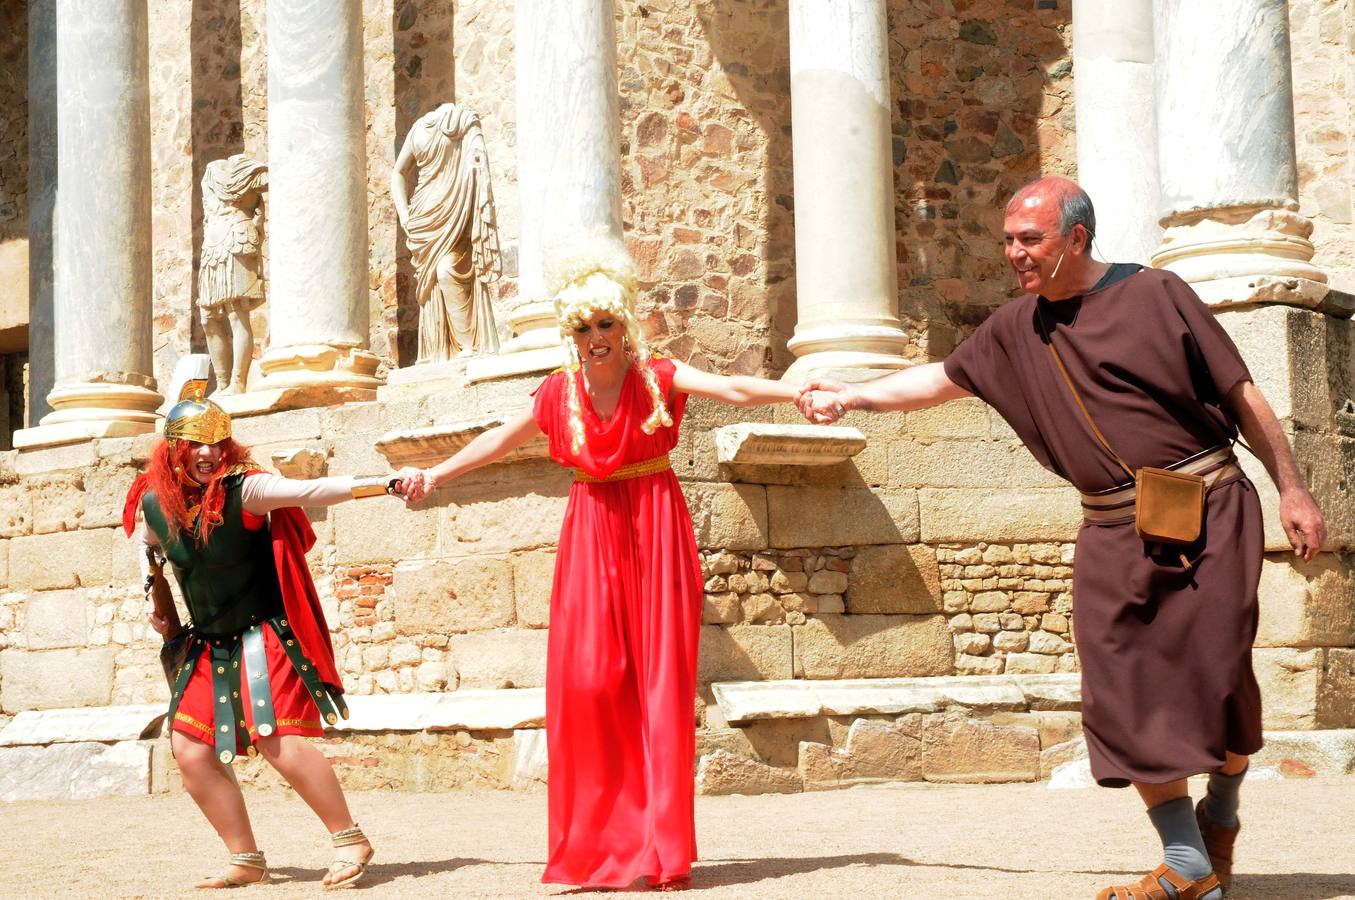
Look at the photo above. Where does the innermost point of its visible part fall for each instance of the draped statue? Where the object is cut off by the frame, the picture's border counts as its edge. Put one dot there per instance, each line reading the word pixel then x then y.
pixel 229 281
pixel 451 231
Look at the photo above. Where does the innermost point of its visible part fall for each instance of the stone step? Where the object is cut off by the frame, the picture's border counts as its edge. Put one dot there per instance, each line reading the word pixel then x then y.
pixel 746 701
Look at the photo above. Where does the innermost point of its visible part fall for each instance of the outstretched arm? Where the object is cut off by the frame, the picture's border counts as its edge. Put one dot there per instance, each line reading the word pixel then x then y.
pixel 1299 512
pixel 915 388
pixel 484 449
pixel 739 390
pixel 262 493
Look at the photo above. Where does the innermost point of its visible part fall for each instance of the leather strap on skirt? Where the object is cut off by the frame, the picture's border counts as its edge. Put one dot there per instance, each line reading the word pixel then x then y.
pixel 1117 504
pixel 634 470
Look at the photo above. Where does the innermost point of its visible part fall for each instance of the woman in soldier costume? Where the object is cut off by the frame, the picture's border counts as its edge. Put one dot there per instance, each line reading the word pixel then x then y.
pixel 259 673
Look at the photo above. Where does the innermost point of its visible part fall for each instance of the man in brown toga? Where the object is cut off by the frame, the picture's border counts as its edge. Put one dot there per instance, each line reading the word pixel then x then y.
pixel 1164 634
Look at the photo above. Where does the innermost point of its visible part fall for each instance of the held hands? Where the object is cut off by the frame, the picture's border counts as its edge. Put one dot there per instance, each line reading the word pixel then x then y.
pixel 820 403
pixel 413 484
pixel 1303 523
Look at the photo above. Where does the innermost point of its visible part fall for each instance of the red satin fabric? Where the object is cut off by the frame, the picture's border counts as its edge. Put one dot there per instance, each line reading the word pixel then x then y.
pixel 621 657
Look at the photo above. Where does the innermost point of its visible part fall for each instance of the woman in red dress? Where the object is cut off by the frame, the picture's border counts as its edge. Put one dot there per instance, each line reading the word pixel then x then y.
pixel 625 608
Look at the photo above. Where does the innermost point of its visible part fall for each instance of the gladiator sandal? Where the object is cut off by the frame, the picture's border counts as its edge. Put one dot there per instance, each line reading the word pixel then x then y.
pixel 1149 888
pixel 1218 842
pixel 249 860
pixel 347 838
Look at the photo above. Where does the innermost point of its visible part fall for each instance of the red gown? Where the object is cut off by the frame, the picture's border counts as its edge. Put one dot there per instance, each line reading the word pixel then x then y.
pixel 625 616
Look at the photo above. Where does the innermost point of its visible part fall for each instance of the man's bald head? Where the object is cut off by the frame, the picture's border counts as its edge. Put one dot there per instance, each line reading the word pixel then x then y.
pixel 1072 202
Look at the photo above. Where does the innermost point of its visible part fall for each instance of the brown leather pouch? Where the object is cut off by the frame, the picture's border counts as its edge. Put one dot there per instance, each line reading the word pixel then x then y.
pixel 1169 507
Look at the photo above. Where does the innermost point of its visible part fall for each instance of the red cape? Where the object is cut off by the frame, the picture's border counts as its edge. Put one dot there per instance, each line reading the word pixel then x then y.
pixel 292 538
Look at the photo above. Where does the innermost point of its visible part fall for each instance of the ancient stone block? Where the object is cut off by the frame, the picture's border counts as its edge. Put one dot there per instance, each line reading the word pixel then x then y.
pixel 827 581
pixel 530 763
pixel 56 619
pixel 1336 691
pixel 1289 682
pixel 16 510
pixel 52 679
pixel 1056 755
pixel 491 519
pixel 533 575
pixel 966 418
pixel 1030 664
pixel 506 658
pixel 721 609
pixel 728 516
pixel 1306 604
pixel 382 530
pixel 744 653
pixel 826 516
pixel 4 562
pixel 957 749
pixel 470 594
pixel 967 464
pixel 65 560
pixel 823 768
pixel 721 772
pixel 964 515
pixel 58 503
pixel 894 578
pixel 886 751
pixel 105 492
pixel 873 647
pixel 80 771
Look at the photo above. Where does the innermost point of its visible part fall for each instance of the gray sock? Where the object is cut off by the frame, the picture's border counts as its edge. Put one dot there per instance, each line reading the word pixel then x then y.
pixel 1182 846
pixel 1220 803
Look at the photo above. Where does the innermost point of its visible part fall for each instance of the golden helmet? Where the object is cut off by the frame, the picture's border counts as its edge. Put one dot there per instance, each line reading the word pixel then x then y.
pixel 194 417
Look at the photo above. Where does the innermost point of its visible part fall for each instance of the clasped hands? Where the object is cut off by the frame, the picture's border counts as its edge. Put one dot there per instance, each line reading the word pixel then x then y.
pixel 820 401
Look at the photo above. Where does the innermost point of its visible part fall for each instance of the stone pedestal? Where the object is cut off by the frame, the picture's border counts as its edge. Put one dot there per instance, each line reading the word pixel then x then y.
pixel 569 160
pixel 318 317
pixel 846 288
pixel 1113 85
pixel 1229 182
pixel 101 314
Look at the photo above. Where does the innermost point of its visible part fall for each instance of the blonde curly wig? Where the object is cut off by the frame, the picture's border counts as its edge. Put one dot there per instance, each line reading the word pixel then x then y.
pixel 598 275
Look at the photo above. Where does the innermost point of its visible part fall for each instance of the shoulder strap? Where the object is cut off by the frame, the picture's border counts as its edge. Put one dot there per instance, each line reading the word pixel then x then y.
pixel 1067 379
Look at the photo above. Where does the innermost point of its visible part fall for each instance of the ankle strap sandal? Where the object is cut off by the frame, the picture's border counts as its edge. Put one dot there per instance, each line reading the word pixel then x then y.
pixel 347 838
pixel 252 859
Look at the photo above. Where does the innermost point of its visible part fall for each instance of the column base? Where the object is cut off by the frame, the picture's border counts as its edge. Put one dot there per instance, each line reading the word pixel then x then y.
pixel 317 365
pixel 534 327
pixel 1244 255
pixel 97 409
pixel 511 365
pixel 423 379
pixel 270 400
pixel 843 365
pixel 40 436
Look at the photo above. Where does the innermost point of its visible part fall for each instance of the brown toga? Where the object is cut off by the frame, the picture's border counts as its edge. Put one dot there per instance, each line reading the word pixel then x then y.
pixel 1167 682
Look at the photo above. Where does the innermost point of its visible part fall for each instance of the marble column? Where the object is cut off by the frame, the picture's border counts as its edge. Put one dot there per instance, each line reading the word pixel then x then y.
pixel 1117 124
pixel 845 266
pixel 1229 182
pixel 319 316
pixel 569 159
pixel 42 132
pixel 101 303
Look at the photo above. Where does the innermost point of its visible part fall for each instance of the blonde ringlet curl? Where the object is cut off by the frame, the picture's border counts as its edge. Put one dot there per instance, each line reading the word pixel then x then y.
pixel 598 275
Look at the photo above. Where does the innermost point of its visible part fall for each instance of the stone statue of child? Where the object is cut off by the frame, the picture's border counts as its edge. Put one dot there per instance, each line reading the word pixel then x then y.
pixel 229 281
pixel 451 231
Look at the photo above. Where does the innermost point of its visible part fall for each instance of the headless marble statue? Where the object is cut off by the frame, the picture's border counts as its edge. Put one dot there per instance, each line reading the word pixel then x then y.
pixel 451 232
pixel 229 281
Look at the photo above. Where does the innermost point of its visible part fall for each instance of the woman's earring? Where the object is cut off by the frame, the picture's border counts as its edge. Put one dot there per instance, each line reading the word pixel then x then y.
pixel 625 343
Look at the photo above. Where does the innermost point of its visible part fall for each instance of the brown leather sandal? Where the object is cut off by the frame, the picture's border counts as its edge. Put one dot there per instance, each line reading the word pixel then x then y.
pixel 1218 841
pixel 1149 888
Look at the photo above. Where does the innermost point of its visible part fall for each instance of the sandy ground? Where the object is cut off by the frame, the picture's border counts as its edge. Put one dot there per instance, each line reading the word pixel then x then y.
pixel 923 841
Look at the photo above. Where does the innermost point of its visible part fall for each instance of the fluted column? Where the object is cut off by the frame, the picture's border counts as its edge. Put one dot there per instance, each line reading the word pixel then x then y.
pixel 846 280
pixel 569 159
pixel 1229 177
pixel 318 273
pixel 1117 124
pixel 101 305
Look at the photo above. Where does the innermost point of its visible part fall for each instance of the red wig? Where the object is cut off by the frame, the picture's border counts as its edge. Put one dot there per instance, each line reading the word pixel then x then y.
pixel 182 500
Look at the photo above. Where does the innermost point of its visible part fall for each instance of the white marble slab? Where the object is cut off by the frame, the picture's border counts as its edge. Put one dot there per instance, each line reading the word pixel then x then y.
pixel 471 710
pixel 433 443
pixel 746 701
pixel 768 444
pixel 94 723
pixel 80 771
